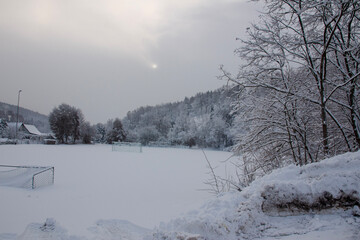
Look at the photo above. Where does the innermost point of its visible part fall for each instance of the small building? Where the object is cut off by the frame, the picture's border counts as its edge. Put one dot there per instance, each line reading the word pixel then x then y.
pixel 28 132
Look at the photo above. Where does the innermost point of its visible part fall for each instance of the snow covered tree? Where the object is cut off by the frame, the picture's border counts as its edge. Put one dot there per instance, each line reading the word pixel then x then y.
pixel 205 120
pixel 294 59
pixel 100 133
pixel 117 133
pixel 345 60
pixel 64 122
pixel 298 87
pixel 3 127
pixel 87 132
pixel 148 134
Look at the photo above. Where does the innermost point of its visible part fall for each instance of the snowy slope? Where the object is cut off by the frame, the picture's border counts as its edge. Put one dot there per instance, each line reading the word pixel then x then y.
pixel 317 201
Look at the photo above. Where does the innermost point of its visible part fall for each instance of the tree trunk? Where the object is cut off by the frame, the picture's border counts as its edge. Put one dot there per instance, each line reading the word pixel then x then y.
pixel 324 121
pixel 353 114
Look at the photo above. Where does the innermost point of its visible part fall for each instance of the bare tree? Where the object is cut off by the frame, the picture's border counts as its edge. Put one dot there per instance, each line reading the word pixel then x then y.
pixel 301 59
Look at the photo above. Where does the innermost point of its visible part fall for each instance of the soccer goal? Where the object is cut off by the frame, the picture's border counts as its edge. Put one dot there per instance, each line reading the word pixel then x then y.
pixel 127 147
pixel 26 176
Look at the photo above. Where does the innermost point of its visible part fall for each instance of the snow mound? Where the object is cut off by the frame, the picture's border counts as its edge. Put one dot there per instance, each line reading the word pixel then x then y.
pixel 318 198
pixel 328 184
pixel 49 230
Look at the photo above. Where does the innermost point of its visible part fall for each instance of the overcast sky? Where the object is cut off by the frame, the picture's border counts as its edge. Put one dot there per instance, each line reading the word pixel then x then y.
pixel 108 57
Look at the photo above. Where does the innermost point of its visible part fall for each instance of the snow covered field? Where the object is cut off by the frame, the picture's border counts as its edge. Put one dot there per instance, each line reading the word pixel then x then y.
pixel 99 194
pixel 94 183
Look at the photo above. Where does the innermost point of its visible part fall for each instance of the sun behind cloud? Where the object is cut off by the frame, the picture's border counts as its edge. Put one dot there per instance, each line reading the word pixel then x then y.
pixel 154 66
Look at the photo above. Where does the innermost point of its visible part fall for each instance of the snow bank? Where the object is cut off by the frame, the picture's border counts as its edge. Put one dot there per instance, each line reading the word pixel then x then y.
pixel 321 197
pixel 331 183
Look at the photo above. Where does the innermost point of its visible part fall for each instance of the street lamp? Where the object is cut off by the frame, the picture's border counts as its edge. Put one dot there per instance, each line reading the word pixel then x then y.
pixel 17 114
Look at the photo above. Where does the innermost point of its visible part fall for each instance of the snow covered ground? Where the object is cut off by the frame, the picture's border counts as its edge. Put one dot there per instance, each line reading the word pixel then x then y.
pixel 317 201
pixel 94 185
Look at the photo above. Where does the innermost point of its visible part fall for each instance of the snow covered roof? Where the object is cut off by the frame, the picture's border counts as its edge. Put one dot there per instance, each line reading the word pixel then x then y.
pixel 32 129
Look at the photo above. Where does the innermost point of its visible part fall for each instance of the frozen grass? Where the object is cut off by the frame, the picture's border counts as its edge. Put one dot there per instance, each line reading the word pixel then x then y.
pixel 93 183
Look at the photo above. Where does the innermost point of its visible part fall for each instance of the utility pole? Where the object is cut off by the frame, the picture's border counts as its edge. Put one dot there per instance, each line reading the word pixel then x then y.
pixel 17 115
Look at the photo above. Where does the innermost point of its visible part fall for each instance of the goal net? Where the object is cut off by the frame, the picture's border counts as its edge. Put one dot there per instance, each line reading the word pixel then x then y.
pixel 26 176
pixel 127 147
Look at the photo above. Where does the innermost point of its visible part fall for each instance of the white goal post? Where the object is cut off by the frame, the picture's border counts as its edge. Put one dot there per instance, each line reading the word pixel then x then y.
pixel 127 147
pixel 26 176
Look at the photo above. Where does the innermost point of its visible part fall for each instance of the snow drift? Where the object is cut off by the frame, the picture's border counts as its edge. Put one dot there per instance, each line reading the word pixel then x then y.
pixel 321 197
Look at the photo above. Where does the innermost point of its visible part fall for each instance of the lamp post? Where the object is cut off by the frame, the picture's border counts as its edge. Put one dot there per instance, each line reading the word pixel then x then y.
pixel 17 115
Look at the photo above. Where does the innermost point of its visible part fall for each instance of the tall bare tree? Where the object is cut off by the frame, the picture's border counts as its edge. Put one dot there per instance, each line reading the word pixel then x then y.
pixel 299 60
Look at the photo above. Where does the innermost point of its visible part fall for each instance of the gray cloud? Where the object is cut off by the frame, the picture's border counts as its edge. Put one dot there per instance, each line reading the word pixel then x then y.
pixel 98 55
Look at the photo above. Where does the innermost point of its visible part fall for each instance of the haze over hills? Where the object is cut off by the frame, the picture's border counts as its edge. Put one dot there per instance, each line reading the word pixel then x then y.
pixel 8 112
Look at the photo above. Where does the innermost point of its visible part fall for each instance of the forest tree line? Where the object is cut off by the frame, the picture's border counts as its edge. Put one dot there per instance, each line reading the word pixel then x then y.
pixel 205 120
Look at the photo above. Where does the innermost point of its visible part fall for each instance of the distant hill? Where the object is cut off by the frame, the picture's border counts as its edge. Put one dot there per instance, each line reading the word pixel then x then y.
pixel 204 120
pixel 8 112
